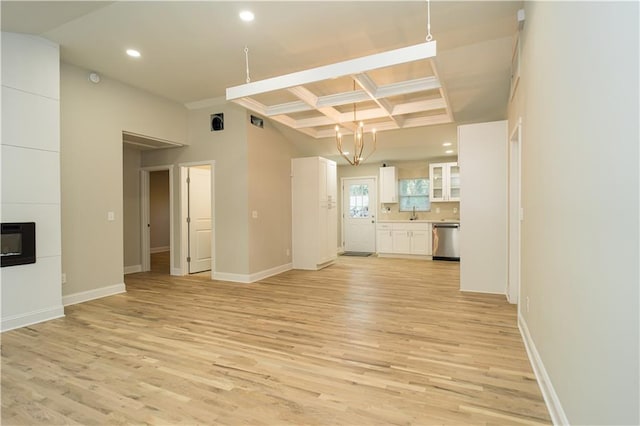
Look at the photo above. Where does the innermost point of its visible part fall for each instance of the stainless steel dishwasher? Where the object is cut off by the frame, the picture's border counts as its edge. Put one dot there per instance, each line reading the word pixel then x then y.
pixel 446 241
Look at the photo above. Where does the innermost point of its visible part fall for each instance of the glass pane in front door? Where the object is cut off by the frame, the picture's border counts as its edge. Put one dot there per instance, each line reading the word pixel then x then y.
pixel 358 201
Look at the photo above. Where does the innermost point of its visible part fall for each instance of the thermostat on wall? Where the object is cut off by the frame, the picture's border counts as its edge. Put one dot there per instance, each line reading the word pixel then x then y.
pixel 217 122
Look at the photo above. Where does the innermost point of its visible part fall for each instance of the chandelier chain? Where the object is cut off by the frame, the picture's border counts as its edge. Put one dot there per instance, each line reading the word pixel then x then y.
pixel 246 60
pixel 429 36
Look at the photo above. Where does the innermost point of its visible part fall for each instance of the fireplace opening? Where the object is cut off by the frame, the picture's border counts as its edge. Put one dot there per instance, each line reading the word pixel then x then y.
pixel 18 244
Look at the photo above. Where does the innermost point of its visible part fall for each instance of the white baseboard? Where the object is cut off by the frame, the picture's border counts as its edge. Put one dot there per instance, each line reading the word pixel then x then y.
pixel 159 249
pixel 249 278
pixel 29 318
pixel 558 416
pixel 85 296
pixel 132 269
pixel 176 272
pixel 404 256
pixel 270 272
pixel 235 278
pixel 340 250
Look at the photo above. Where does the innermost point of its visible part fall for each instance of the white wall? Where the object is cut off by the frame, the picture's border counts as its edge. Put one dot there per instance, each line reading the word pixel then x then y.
pixel 482 156
pixel 578 98
pixel 31 175
pixel 252 172
pixel 229 149
pixel 93 119
pixel 269 190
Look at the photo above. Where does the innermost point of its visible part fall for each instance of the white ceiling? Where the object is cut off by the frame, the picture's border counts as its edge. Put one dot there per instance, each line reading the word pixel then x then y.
pixel 194 50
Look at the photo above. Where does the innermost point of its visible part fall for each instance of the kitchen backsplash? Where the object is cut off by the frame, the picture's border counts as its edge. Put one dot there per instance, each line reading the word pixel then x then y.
pixel 448 210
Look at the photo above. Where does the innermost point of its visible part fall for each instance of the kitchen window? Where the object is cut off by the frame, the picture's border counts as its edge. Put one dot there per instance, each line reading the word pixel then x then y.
pixel 414 193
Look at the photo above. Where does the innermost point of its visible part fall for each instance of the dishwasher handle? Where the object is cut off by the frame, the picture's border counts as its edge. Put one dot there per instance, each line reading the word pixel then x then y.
pixel 446 225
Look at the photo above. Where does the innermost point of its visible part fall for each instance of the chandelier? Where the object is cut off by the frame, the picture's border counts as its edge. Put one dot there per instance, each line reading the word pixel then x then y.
pixel 358 141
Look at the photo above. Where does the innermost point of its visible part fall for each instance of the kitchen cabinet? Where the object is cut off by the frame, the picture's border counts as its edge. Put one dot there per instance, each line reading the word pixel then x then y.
pixel 404 238
pixel 388 185
pixel 445 182
pixel 314 215
pixel 384 241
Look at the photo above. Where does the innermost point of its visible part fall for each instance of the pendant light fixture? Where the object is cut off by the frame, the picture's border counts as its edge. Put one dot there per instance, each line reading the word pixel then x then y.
pixel 356 157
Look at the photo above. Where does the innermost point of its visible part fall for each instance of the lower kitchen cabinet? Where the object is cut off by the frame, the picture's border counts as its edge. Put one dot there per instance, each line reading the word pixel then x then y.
pixel 404 238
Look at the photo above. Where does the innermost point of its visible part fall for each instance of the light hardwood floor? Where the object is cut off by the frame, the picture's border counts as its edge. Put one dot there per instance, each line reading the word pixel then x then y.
pixel 365 341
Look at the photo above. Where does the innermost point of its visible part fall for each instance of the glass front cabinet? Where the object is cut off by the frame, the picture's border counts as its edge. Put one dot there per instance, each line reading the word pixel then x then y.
pixel 445 182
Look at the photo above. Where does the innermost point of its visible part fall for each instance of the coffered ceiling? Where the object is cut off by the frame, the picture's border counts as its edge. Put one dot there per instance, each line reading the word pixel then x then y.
pixel 193 51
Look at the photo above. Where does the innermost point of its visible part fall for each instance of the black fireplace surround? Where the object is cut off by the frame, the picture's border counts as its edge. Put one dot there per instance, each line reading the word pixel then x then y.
pixel 18 243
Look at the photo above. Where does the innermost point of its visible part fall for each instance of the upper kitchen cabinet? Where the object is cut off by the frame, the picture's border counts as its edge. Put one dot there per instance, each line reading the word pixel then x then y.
pixel 388 185
pixel 445 182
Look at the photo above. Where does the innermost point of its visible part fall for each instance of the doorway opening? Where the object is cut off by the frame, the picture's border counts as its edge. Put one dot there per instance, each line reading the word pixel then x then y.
pixel 197 220
pixel 515 213
pixel 359 204
pixel 157 218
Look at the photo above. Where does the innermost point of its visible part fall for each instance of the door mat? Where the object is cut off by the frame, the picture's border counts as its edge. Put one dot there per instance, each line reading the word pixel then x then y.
pixel 356 253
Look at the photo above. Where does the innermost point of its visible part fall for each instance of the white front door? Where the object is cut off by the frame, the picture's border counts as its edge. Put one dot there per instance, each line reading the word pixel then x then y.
pixel 199 221
pixel 358 212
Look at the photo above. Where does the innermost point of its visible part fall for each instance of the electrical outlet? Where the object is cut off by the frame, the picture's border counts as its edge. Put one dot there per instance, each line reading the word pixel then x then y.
pixel 455 210
pixel 254 214
pixel 64 278
pixel 437 209
pixel 111 216
pixel 527 304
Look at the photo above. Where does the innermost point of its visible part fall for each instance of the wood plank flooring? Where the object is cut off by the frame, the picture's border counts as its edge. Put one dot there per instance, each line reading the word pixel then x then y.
pixel 367 341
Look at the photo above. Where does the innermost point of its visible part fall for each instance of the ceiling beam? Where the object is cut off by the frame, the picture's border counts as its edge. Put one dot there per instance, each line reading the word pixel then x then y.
pixel 345 98
pixel 370 88
pixel 288 108
pixel 252 104
pixel 308 97
pixel 340 69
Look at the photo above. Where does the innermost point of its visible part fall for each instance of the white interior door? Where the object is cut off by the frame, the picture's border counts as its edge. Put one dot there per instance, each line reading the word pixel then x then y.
pixel 199 220
pixel 513 282
pixel 358 208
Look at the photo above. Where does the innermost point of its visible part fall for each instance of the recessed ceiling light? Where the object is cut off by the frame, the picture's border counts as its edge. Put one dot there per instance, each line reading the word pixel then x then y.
pixel 449 151
pixel 446 144
pixel 133 53
pixel 247 16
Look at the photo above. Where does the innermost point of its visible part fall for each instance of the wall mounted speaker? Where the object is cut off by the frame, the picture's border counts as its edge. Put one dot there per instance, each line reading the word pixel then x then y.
pixel 217 122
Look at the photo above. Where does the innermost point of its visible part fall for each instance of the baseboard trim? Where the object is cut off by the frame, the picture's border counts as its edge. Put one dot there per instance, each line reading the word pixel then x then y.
pixel 250 278
pixel 176 272
pixel 404 256
pixel 132 269
pixel 558 416
pixel 98 293
pixel 30 318
pixel 234 278
pixel 153 250
pixel 270 272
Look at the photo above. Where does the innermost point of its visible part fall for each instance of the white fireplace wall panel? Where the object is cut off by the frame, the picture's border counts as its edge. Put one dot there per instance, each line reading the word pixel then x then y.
pixel 31 175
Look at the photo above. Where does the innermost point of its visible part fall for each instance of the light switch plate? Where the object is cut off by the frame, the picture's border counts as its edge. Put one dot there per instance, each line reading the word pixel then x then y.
pixel 111 216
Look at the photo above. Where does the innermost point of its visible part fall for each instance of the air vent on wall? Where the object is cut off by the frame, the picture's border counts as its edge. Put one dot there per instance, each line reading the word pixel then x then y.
pixel 257 121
